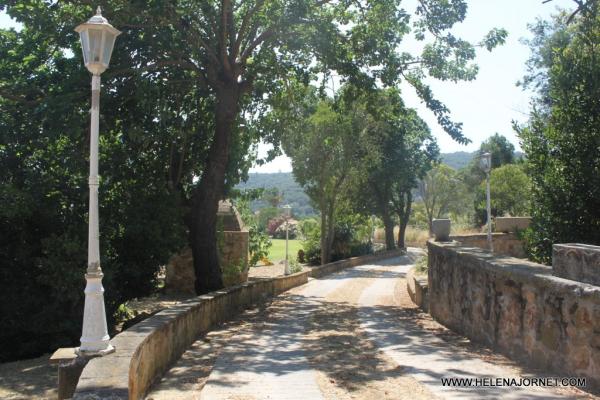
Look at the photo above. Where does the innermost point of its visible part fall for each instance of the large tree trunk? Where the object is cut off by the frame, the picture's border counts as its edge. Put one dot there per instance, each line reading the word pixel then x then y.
pixel 205 201
pixel 404 215
pixel 327 231
pixel 430 224
pixel 324 230
pixel 330 232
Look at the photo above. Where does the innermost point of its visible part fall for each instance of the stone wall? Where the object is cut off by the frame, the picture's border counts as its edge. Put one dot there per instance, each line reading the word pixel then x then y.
pixel 146 350
pixel 579 262
pixel 417 288
pixel 234 254
pixel 507 244
pixel 517 307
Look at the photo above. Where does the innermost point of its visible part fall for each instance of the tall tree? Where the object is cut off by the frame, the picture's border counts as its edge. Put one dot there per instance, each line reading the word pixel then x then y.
pixel 322 149
pixel 502 152
pixel 231 55
pixel 562 138
pixel 397 150
pixel 510 193
pixel 438 190
pixel 44 140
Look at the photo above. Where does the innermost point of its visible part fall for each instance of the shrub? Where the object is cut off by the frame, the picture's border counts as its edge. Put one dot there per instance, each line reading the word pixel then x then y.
pixel 294 266
pixel 344 245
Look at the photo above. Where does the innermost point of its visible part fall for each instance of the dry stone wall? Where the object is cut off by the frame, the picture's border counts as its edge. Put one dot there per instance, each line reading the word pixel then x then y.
pixel 579 262
pixel 517 307
pixel 507 244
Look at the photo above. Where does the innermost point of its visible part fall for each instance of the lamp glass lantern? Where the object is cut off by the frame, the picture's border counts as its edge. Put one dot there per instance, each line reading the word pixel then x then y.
pixel 287 211
pixel 486 162
pixel 97 41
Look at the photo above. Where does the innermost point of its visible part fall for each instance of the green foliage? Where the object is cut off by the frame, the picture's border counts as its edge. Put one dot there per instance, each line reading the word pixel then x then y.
pixel 311 244
pixel 272 197
pixel 422 266
pixel 265 215
pixel 510 193
pixel 442 192
pixel 44 125
pixel 349 240
pixel 259 242
pixel 294 266
pixel 397 149
pixel 502 151
pixel 562 138
pixel 232 272
pixel 168 75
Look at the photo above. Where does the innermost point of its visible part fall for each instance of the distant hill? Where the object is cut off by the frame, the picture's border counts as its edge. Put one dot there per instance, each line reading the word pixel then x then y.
pixel 295 196
pixel 461 159
pixel 285 182
pixel 458 159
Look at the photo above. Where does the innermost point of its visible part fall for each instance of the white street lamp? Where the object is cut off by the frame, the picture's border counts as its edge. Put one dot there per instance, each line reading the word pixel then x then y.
pixel 287 212
pixel 486 165
pixel 97 41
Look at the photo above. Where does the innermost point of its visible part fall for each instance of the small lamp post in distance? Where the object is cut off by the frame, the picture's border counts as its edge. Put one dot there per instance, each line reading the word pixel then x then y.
pixel 287 213
pixel 486 166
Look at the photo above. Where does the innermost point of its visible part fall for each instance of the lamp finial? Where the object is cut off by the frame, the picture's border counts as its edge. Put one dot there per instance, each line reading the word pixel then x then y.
pixel 99 11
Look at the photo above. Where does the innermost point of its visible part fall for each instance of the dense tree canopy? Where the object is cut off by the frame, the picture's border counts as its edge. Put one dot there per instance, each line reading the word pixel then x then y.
pixel 562 138
pixel 510 193
pixel 397 149
pixel 181 107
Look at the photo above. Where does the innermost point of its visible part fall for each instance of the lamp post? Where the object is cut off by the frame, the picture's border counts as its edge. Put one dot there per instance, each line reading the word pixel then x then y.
pixel 287 212
pixel 486 165
pixel 373 230
pixel 97 40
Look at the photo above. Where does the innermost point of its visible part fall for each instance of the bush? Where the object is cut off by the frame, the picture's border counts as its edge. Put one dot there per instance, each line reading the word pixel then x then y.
pixel 294 266
pixel 280 231
pixel 345 244
pixel 422 266
pixel 259 241
pixel 44 252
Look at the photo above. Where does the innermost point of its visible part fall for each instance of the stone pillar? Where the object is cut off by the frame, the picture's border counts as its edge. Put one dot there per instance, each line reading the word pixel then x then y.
pixel 70 366
pixel 441 230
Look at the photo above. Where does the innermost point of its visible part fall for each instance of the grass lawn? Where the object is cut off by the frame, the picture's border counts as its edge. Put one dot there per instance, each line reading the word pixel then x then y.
pixel 277 250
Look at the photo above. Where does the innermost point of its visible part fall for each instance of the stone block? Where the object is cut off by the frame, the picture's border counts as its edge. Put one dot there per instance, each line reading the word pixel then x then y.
pixel 69 370
pixel 577 262
pixel 511 224
pixel 441 229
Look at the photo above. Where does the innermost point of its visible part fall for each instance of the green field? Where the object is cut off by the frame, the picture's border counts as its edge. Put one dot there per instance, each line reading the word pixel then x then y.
pixel 277 250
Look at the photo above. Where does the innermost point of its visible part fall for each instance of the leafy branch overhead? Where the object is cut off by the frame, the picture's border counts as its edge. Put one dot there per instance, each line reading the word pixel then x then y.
pixel 262 43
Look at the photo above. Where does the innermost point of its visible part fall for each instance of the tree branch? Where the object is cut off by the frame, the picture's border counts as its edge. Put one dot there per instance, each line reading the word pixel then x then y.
pixel 244 27
pixel 261 38
pixel 225 6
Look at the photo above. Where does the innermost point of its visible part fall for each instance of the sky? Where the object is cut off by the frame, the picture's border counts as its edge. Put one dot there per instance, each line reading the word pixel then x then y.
pixel 486 105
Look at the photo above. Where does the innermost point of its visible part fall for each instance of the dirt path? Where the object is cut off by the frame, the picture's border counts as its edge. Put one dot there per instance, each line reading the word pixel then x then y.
pixel 352 335
pixel 28 379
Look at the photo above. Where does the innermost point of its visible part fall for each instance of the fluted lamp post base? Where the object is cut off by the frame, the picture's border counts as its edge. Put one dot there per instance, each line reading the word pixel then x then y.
pixel 94 340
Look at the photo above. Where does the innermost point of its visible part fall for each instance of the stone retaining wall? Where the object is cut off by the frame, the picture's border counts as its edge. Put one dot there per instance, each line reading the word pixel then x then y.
pixel 417 288
pixel 146 350
pixel 576 261
pixel 517 307
pixel 507 244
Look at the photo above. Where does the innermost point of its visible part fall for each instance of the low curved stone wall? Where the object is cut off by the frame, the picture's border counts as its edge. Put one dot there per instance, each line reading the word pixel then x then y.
pixel 517 307
pixel 146 350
